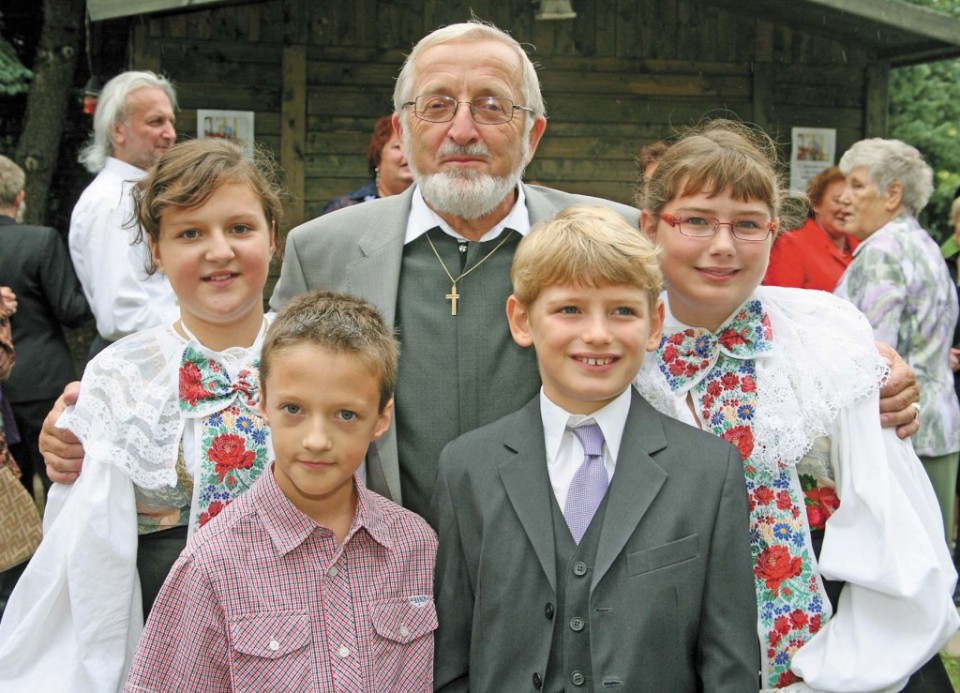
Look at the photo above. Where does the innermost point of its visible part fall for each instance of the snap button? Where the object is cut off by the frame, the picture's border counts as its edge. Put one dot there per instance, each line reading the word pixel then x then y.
pixel 274 645
pixel 404 631
pixel 344 651
pixel 333 572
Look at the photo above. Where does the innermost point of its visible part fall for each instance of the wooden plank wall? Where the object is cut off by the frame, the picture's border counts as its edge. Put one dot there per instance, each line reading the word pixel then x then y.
pixel 623 74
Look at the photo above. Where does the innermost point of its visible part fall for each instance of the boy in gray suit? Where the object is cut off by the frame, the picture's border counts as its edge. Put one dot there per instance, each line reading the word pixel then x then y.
pixel 587 540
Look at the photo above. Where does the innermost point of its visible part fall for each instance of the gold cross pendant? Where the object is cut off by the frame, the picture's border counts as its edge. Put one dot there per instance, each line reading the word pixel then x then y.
pixel 453 297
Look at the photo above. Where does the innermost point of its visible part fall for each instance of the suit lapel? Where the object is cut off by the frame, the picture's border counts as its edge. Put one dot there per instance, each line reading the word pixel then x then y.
pixel 527 484
pixel 636 482
pixel 375 275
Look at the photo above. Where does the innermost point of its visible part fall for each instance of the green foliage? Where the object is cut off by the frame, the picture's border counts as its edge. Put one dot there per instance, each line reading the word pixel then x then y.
pixel 925 111
pixel 14 77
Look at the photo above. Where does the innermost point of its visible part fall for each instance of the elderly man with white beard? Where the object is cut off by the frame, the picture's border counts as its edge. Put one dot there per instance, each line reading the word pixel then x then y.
pixel 436 259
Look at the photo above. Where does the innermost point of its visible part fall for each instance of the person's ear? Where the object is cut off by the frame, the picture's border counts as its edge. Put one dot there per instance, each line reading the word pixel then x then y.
pixel 536 134
pixel 656 326
pixel 648 224
pixel 397 130
pixel 261 405
pixel 155 254
pixel 383 422
pixel 894 197
pixel 518 317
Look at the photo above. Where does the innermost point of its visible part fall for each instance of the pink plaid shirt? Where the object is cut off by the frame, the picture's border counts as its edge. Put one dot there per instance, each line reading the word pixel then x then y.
pixel 263 599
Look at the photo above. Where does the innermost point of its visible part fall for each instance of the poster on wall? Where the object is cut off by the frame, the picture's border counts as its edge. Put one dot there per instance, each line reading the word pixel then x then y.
pixel 236 125
pixel 814 149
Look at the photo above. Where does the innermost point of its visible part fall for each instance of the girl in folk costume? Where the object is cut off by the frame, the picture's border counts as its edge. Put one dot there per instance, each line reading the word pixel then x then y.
pixel 853 580
pixel 168 418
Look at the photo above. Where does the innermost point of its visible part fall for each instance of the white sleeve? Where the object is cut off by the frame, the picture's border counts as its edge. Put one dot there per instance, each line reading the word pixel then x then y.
pixel 886 542
pixel 73 620
pixel 122 297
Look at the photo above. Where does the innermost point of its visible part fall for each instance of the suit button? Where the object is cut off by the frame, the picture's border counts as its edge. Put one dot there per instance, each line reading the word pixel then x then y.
pixel 576 624
pixel 537 681
pixel 579 568
pixel 577 678
pixel 548 610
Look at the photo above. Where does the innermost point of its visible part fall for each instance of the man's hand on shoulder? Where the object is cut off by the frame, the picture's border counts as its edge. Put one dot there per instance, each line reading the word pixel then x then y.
pixel 899 394
pixel 61 450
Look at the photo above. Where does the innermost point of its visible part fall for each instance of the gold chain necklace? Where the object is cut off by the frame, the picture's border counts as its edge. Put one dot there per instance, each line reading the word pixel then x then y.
pixel 453 296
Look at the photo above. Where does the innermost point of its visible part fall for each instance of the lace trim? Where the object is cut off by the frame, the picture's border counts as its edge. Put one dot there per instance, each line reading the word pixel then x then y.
pixel 823 359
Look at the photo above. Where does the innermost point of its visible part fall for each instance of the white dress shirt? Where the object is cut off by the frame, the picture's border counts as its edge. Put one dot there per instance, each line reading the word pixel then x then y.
pixel 564 451
pixel 110 266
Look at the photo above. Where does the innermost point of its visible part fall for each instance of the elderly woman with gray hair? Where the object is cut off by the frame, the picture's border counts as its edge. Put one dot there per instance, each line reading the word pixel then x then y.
pixel 899 280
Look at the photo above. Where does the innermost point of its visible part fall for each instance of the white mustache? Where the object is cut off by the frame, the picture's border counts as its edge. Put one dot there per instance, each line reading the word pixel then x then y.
pixel 475 149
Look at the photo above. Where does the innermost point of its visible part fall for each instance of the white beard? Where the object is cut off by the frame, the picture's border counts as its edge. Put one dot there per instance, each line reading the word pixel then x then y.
pixel 466 193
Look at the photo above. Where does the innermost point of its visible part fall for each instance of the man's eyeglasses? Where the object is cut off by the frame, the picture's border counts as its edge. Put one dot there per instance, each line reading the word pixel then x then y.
pixel 696 226
pixel 485 110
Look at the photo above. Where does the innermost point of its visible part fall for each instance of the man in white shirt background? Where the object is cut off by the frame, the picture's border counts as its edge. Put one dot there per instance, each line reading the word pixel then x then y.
pixel 133 126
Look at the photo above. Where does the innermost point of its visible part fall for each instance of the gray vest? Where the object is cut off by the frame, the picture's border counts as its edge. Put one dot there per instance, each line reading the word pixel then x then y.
pixel 570 667
pixel 456 372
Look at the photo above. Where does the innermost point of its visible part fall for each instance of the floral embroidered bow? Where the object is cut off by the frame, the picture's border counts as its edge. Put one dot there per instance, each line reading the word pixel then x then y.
pixel 205 386
pixel 686 356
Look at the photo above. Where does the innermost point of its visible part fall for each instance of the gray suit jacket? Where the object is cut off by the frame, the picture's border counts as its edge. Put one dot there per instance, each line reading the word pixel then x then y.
pixel 358 250
pixel 672 605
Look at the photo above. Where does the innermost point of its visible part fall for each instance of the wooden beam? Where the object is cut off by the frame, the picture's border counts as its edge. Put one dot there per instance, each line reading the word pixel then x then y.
pixel 293 127
pixel 877 101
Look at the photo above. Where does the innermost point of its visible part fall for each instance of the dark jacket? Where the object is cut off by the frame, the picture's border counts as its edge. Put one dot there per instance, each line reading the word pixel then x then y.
pixel 34 262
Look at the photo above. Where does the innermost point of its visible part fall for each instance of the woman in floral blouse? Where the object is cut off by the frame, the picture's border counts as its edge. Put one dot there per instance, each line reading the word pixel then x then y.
pixel 852 576
pixel 900 282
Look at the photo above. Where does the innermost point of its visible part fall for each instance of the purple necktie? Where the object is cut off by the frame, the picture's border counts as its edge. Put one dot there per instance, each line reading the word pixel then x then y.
pixel 589 483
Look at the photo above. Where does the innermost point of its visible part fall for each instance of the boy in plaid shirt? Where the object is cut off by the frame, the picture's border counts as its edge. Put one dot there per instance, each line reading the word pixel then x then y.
pixel 308 581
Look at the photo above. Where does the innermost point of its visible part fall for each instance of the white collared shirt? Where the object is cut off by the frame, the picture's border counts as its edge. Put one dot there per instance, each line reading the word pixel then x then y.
pixel 422 219
pixel 564 451
pixel 110 266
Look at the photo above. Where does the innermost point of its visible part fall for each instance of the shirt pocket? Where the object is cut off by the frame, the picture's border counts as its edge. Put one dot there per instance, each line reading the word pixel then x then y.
pixel 271 651
pixel 402 643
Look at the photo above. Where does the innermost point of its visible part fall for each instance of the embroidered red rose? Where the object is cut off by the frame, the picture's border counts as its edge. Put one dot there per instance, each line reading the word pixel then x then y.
pixel 729 381
pixel 798 619
pixel 669 353
pixel 677 368
pixel 191 384
pixel 774 638
pixel 742 438
pixel 748 384
pixel 229 452
pixel 783 500
pixel 763 494
pixel 815 624
pixel 782 625
pixel 212 511
pixel 775 565
pixel 678 337
pixel 786 678
pixel 714 389
pixel 730 338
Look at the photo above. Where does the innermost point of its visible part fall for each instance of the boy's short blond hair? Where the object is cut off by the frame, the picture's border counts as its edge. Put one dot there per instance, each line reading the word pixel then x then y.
pixel 339 323
pixel 585 245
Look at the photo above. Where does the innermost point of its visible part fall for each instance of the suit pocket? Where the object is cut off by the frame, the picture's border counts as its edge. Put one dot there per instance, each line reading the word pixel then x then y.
pixel 663 556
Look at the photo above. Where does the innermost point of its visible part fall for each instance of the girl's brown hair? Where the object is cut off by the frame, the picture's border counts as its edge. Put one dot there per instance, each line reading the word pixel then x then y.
pixel 187 175
pixel 716 157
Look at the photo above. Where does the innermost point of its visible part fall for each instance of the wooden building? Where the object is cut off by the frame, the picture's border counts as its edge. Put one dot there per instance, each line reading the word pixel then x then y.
pixel 621 74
